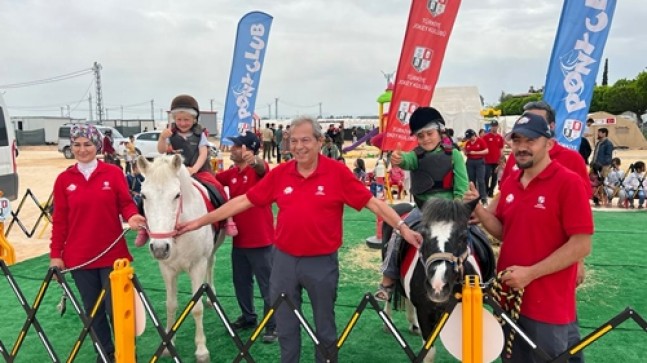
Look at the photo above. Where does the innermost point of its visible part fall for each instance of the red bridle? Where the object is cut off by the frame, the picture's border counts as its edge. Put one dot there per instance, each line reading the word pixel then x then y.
pixel 170 234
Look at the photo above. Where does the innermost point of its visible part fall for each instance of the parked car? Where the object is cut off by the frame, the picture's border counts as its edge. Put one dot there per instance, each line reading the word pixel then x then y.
pixel 146 144
pixel 118 140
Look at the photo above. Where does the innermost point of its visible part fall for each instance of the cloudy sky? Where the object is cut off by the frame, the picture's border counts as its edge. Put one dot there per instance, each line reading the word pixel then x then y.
pixel 331 52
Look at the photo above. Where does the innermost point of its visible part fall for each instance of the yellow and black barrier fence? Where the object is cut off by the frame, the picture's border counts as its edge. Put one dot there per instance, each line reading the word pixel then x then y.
pixel 44 214
pixel 31 320
pixel 125 285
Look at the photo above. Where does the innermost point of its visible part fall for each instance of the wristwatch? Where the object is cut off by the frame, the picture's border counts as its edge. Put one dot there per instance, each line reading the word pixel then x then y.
pixel 399 225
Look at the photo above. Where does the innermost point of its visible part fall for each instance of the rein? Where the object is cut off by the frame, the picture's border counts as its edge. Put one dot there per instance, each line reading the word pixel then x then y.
pixel 510 301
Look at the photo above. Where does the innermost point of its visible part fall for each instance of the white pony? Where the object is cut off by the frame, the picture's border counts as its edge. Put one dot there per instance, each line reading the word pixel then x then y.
pixel 170 195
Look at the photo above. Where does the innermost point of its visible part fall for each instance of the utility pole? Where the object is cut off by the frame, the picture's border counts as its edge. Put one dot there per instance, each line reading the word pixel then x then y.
pixel 90 104
pixel 269 110
pixel 211 102
pixel 97 75
pixel 68 111
pixel 122 112
pixel 276 108
pixel 320 114
pixel 153 110
pixel 62 112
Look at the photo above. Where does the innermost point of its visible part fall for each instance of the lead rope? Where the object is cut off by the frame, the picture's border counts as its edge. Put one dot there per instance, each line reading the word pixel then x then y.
pixel 61 306
pixel 510 302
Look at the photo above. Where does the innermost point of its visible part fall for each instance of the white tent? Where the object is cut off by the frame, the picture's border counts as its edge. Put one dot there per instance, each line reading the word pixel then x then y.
pixel 460 107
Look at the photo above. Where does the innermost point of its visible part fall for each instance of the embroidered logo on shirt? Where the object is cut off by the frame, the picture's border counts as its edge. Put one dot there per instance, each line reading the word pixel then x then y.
pixel 234 180
pixel 244 179
pixel 71 187
pixel 540 202
pixel 509 198
pixel 106 185
pixel 288 190
pixel 320 190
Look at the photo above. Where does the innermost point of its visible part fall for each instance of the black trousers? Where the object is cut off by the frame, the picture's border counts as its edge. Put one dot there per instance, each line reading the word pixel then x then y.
pixel 89 283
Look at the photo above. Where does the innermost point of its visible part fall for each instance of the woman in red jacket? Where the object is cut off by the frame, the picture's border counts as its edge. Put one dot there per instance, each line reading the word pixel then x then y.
pixel 87 235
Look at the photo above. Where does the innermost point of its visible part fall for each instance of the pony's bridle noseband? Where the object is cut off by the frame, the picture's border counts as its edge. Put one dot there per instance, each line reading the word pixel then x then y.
pixel 170 234
pixel 457 261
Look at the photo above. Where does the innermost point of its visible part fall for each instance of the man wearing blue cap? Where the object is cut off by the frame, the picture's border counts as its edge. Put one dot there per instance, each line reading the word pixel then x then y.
pixel 545 223
pixel 251 254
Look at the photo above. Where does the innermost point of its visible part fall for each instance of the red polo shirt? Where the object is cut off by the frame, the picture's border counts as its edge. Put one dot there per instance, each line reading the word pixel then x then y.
pixel 309 222
pixel 256 224
pixel 477 145
pixel 494 144
pixel 570 159
pixel 537 221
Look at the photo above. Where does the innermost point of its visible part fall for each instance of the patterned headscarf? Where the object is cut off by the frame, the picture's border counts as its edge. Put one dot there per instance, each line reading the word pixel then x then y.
pixel 89 132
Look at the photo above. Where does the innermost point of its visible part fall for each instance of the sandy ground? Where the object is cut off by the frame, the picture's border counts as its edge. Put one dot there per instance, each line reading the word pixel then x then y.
pixel 38 167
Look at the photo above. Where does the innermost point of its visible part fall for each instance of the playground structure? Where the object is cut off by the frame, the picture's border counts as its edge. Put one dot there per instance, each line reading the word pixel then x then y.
pixel 125 285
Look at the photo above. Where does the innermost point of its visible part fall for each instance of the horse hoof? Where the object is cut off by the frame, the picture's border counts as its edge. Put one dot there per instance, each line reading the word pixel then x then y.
pixel 202 358
pixel 414 330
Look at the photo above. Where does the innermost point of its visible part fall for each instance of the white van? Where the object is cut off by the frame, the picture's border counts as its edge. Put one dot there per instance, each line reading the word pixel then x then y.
pixel 8 153
pixel 118 140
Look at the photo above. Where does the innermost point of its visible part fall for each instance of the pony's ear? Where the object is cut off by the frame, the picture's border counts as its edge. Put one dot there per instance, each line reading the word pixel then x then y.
pixel 472 204
pixel 142 164
pixel 176 162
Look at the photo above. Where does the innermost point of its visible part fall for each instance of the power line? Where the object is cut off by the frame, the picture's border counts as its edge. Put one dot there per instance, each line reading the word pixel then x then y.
pixel 48 80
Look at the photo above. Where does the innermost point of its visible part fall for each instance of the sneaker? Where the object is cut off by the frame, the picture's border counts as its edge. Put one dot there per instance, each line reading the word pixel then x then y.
pixel 270 336
pixel 242 324
pixel 142 237
pixel 230 228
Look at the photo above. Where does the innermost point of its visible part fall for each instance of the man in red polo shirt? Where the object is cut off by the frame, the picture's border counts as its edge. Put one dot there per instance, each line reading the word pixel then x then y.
pixel 545 222
pixel 251 255
pixel 475 149
pixel 495 144
pixel 310 192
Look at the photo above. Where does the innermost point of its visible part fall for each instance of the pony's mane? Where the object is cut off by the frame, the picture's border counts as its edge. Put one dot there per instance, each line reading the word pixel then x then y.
pixel 437 210
pixel 162 168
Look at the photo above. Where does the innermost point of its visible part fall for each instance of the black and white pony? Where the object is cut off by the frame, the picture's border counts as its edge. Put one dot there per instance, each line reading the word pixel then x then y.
pixel 431 274
pixel 170 195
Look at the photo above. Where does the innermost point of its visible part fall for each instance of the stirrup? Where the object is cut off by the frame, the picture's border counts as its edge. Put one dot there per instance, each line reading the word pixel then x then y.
pixel 383 293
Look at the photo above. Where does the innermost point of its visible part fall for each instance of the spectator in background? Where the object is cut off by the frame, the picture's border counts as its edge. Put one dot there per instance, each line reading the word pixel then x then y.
pixel 634 185
pixel 267 136
pixel 603 151
pixel 613 181
pixel 130 153
pixel 330 150
pixel 278 138
pixel 396 178
pixel 360 170
pixel 109 153
pixel 475 149
pixel 273 128
pixel 339 138
pixel 285 144
pixel 495 144
pixel 135 180
pixel 481 133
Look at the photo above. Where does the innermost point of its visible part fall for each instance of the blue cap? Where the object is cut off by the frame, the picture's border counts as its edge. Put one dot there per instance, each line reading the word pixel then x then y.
pixel 531 126
pixel 248 139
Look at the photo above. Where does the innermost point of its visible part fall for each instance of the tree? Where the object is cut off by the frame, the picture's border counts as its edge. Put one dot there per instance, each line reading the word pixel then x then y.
pixel 598 102
pixel 605 72
pixel 623 97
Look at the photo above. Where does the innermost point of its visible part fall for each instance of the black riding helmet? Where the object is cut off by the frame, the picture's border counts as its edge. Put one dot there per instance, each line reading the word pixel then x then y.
pixel 423 117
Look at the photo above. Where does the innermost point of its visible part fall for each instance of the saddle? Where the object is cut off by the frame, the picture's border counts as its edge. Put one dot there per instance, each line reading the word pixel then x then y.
pixel 214 195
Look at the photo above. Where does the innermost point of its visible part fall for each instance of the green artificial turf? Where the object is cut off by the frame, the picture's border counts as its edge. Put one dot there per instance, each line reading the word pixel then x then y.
pixel 614 281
